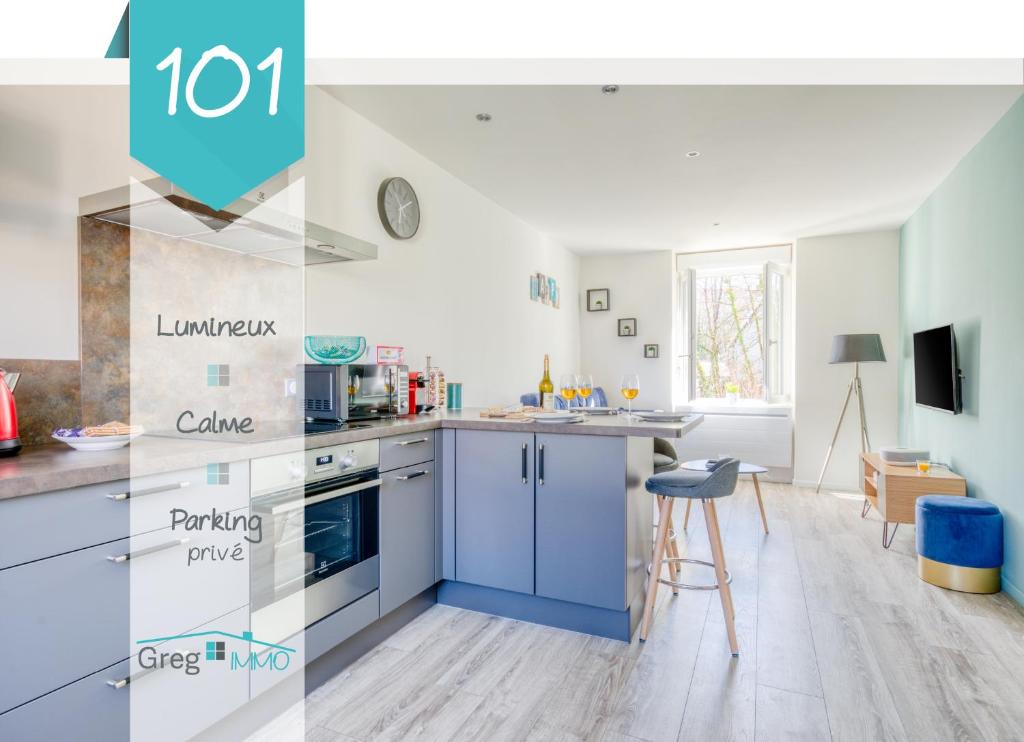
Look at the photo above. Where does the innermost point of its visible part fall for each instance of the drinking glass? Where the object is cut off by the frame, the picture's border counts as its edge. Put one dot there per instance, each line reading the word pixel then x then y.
pixel 568 386
pixel 585 387
pixel 630 386
pixel 923 466
pixel 353 385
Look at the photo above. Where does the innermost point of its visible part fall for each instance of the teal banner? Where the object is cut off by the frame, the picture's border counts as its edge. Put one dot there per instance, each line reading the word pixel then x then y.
pixel 217 100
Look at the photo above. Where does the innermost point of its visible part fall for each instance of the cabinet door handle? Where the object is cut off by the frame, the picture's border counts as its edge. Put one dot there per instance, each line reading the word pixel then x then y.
pixel 540 467
pixel 525 479
pixel 122 496
pixel 128 680
pixel 413 475
pixel 121 558
pixel 409 443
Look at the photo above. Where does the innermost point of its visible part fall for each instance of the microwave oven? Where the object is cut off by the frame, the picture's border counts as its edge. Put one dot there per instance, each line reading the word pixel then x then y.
pixel 355 391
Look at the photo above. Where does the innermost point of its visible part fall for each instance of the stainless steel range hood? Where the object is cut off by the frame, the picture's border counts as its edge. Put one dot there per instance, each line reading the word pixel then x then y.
pixel 250 225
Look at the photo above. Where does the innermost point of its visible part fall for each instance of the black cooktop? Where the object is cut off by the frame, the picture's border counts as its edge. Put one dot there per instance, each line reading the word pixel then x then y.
pixel 318 427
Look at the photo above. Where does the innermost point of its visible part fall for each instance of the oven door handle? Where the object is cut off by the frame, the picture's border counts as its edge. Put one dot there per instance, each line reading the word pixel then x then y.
pixel 300 503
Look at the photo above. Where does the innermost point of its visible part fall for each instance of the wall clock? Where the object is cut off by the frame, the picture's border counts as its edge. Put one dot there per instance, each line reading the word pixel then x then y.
pixel 398 207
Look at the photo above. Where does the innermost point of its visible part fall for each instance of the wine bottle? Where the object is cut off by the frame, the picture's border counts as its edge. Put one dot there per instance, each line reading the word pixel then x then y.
pixel 546 388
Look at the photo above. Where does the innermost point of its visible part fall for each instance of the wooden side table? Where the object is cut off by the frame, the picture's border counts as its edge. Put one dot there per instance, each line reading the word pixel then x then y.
pixel 893 490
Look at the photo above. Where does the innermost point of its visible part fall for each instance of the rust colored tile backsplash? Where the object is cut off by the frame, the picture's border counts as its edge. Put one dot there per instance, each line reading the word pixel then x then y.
pixel 104 257
pixel 47 396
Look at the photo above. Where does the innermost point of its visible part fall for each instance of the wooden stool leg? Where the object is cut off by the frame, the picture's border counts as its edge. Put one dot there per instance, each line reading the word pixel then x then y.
pixel 664 519
pixel 715 537
pixel 672 547
pixel 686 518
pixel 760 502
pixel 674 568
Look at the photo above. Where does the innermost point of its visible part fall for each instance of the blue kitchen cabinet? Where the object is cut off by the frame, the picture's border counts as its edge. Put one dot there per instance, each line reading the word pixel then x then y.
pixel 494 513
pixel 407 548
pixel 581 519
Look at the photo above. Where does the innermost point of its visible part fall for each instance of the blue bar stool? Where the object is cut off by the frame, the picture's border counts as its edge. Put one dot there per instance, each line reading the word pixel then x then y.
pixel 706 487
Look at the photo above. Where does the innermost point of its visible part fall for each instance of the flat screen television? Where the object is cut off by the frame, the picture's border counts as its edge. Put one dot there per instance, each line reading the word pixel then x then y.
pixel 937 370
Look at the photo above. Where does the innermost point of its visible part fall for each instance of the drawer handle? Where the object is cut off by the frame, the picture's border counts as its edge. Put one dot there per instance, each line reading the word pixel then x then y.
pixel 409 443
pixel 122 496
pixel 415 474
pixel 122 682
pixel 121 558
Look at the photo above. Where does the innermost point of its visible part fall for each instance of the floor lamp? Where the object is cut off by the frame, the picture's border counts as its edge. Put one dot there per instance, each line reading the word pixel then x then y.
pixel 855 349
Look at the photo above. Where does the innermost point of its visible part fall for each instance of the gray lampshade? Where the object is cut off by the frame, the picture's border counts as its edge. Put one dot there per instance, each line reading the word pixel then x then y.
pixel 865 348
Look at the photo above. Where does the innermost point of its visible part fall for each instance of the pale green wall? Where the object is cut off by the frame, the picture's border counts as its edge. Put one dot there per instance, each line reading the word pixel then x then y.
pixel 962 261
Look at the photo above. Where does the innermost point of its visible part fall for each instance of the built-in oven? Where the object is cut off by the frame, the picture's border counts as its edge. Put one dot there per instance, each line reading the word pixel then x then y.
pixel 318 547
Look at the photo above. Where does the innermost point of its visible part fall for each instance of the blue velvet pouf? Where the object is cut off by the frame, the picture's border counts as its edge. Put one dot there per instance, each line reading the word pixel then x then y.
pixel 959 543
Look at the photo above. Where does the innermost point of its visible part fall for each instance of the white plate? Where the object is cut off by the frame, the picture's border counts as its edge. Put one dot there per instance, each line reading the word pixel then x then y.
pixel 556 417
pixel 599 410
pixel 661 417
pixel 97 442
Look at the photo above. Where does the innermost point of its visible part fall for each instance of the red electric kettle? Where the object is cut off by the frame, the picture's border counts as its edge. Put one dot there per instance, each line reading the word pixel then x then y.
pixel 9 442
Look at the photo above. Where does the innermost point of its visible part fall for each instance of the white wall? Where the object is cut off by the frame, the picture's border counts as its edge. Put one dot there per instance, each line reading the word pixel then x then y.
pixel 56 144
pixel 458 290
pixel 641 286
pixel 845 283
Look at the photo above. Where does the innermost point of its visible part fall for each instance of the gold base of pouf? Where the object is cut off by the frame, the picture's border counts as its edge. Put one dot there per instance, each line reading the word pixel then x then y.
pixel 963 579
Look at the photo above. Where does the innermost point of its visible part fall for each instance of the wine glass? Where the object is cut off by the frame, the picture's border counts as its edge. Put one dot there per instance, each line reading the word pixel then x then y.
pixel 354 383
pixel 567 384
pixel 585 387
pixel 630 386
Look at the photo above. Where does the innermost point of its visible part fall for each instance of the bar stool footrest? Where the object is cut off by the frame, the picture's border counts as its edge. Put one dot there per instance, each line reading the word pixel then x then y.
pixel 684 585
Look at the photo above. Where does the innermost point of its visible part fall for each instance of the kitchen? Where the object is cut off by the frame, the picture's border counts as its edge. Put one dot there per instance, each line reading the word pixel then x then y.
pixel 390 444
pixel 204 360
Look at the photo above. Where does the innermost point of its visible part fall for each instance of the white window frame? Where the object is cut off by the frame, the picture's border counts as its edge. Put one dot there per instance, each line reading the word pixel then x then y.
pixel 774 261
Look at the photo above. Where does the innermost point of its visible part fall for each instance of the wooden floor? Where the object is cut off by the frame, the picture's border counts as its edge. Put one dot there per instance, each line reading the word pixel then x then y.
pixel 838 640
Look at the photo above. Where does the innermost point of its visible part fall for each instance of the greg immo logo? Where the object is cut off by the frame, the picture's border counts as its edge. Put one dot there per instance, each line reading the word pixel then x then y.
pixel 246 652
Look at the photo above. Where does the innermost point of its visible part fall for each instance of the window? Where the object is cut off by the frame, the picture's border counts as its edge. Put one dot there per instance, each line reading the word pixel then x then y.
pixel 730 326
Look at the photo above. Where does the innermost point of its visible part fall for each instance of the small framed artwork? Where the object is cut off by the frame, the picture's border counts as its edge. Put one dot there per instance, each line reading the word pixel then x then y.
pixel 545 288
pixel 627 327
pixel 553 293
pixel 651 350
pixel 535 287
pixel 598 300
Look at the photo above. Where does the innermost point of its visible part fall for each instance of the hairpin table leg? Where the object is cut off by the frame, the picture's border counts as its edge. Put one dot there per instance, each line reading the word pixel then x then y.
pixel 865 508
pixel 886 538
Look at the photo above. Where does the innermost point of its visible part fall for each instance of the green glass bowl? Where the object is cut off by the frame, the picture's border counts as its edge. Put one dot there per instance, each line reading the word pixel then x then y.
pixel 335 350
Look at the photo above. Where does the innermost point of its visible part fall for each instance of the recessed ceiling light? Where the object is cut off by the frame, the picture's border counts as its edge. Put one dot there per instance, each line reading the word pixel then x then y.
pixel 610 89
pixel 483 117
pixel 715 224
pixel 693 153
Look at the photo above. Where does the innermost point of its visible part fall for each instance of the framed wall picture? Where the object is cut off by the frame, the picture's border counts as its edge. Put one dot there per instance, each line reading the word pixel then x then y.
pixel 598 300
pixel 535 287
pixel 627 327
pixel 545 288
pixel 651 350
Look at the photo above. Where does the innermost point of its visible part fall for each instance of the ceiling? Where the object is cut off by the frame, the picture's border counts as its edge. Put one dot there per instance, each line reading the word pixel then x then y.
pixel 609 173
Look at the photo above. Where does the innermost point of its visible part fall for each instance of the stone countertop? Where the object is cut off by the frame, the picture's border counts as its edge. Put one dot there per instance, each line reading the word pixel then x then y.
pixel 56 467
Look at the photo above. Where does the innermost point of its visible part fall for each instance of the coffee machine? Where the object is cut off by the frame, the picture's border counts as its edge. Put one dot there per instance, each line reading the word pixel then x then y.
pixel 10 444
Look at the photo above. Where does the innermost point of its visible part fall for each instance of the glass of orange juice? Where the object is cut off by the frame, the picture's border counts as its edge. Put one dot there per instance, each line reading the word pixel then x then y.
pixel 923 466
pixel 630 387
pixel 567 384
